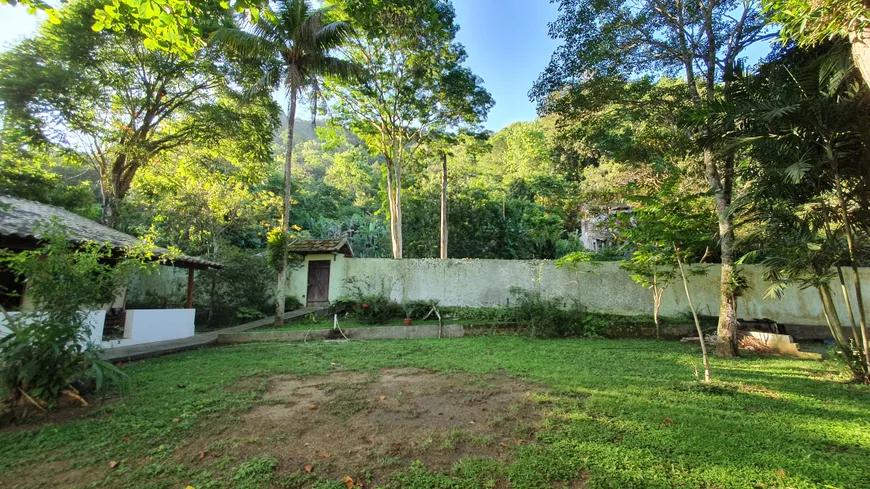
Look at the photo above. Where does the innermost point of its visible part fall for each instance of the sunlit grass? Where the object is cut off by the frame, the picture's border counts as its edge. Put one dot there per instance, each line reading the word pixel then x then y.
pixel 618 414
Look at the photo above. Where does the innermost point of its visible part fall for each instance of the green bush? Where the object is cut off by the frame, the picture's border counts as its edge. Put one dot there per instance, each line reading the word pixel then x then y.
pixel 292 303
pixel 368 309
pixel 47 350
pixel 418 309
pixel 376 309
pixel 343 306
pixel 243 287
pixel 554 318
pixel 365 306
pixel 483 314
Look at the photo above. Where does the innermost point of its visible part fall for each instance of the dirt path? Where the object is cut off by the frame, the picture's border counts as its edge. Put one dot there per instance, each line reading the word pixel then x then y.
pixel 366 426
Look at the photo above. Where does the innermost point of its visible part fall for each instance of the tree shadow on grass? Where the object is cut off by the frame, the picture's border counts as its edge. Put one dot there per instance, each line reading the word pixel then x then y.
pixel 708 443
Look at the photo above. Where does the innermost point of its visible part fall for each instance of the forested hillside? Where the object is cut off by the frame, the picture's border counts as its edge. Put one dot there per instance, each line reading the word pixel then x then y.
pixel 512 194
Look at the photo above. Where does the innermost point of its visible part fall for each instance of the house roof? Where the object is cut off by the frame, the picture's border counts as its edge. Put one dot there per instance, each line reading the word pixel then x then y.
pixel 317 246
pixel 20 220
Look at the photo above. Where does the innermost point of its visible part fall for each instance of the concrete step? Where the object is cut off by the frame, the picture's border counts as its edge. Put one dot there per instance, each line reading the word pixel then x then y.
pixel 200 340
pixel 783 343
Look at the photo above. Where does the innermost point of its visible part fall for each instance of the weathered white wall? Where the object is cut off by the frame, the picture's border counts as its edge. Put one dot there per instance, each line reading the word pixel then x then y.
pixel 151 325
pixel 604 287
pixel 94 321
pixel 162 283
pixel 141 326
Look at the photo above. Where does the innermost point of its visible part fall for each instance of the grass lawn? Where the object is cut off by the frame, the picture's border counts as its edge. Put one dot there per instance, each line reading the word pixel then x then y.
pixel 481 412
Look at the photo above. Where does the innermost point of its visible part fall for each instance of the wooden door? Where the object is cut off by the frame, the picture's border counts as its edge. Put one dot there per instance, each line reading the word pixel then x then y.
pixel 318 283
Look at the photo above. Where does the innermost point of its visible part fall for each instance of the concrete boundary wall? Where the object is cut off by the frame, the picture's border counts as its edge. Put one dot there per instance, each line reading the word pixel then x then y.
pixel 377 333
pixel 143 326
pixel 604 287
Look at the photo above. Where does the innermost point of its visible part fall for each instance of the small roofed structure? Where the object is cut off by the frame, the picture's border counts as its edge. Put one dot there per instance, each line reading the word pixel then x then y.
pixel 20 229
pixel 325 261
pixel 321 246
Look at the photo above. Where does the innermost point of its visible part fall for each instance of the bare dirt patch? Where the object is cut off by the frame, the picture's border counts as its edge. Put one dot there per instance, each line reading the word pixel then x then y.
pixel 367 425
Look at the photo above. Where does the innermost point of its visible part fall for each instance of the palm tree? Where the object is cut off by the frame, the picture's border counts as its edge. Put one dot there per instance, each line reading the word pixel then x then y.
pixel 294 46
pixel 803 116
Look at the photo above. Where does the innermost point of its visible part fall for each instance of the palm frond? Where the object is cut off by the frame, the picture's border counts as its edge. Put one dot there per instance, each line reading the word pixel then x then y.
pixel 333 34
pixel 244 43
pixel 795 172
pixel 339 68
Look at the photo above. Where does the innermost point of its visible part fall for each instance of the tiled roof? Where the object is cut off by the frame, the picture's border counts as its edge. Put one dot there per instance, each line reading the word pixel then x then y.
pixel 20 218
pixel 316 246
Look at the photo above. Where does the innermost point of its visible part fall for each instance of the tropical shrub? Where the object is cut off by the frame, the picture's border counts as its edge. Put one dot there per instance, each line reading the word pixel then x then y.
pixel 554 317
pixel 244 287
pixel 343 306
pixel 377 309
pixel 483 314
pixel 367 309
pixel 418 309
pixel 367 302
pixel 47 350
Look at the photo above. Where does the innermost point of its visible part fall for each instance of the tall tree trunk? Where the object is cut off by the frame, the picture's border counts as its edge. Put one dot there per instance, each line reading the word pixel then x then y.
pixel 110 209
pixel 398 196
pixel 841 277
pixel 444 206
pixel 858 370
pixel 658 292
pixel 113 188
pixel 853 262
pixel 281 286
pixel 861 53
pixel 726 330
pixel 391 200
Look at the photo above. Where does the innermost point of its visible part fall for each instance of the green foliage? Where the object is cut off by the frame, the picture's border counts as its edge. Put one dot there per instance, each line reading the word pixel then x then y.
pixel 482 314
pixel 810 23
pixel 418 86
pixel 343 306
pixel 481 224
pixel 130 104
pixel 418 309
pixel 372 308
pixel 28 172
pixel 199 198
pixel 607 253
pixel 48 348
pixel 277 241
pixel 809 194
pixel 254 473
pixel 292 303
pixel 32 181
pixel 368 236
pixel 182 33
pixel 619 39
pixel 552 318
pixel 34 6
pixel 367 303
pixel 243 288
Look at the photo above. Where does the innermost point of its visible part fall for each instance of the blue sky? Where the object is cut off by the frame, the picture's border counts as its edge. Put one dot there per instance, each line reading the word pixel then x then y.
pixel 508 47
pixel 506 41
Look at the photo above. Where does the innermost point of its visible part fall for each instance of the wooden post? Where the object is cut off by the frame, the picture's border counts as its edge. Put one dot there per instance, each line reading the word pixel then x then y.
pixel 189 302
pixel 444 206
